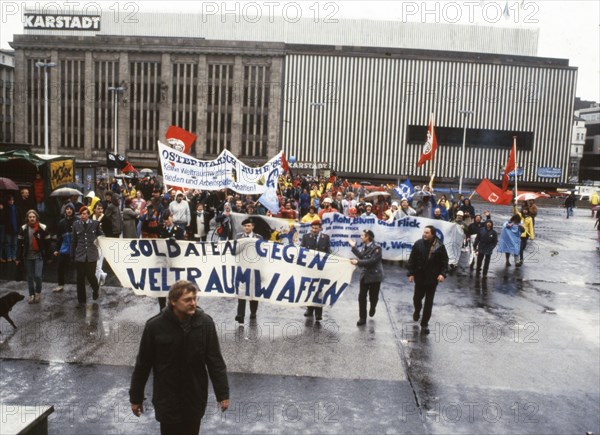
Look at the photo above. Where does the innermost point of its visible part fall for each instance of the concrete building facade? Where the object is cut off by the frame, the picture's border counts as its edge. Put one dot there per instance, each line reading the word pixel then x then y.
pixel 590 163
pixel 577 145
pixel 7 83
pixel 257 96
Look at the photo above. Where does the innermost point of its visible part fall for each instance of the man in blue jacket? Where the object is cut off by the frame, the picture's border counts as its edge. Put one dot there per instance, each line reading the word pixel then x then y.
pixel 427 266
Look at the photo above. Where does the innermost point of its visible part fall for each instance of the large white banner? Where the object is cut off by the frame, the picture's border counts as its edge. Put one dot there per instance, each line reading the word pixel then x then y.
pixel 226 171
pixel 396 238
pixel 251 269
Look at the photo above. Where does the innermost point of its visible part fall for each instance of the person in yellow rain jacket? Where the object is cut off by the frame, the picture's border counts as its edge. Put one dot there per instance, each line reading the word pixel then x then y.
pixel 594 201
pixel 528 234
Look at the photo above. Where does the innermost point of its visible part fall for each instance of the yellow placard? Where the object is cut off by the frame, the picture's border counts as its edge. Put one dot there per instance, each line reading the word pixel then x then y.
pixel 61 172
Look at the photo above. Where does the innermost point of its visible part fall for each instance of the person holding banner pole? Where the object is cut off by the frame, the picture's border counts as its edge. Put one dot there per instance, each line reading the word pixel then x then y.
pixel 168 230
pixel 318 241
pixel 248 226
pixel 369 260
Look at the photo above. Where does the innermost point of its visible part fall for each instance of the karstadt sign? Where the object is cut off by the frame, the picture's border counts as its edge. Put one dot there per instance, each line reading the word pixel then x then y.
pixel 62 22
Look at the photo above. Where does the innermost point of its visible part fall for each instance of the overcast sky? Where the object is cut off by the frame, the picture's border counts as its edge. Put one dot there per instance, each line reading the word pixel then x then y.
pixel 568 29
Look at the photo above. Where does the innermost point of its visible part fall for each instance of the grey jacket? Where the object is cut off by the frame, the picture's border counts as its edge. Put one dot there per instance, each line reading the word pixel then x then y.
pixel 129 223
pixel 369 261
pixel 113 214
pixel 83 247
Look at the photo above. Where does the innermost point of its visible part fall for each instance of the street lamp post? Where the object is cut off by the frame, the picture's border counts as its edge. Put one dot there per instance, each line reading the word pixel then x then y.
pixel 317 106
pixel 46 66
pixel 466 113
pixel 116 91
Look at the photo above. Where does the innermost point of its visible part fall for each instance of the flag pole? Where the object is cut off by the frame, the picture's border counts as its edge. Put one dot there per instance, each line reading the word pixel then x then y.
pixel 431 160
pixel 516 167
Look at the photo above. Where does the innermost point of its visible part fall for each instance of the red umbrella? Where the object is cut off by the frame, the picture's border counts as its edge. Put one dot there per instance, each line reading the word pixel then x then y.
pixel 7 184
pixel 526 196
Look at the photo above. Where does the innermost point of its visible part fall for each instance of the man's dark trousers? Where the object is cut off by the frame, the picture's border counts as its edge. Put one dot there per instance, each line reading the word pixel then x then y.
pixel 427 292
pixel 372 289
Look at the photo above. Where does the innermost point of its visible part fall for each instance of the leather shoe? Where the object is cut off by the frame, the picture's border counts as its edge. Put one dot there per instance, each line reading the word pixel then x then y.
pixel 239 319
pixel 308 313
pixel 416 316
pixel 425 329
pixel 361 322
pixel 372 311
pixel 318 318
pixel 252 316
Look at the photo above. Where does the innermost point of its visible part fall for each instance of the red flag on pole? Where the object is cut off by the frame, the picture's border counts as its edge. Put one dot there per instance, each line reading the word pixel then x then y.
pixel 510 166
pixel 129 168
pixel 430 146
pixel 284 163
pixel 492 193
pixel 180 139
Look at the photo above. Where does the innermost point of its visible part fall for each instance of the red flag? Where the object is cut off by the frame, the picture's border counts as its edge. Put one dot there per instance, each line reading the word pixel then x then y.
pixel 510 166
pixel 430 146
pixel 492 193
pixel 284 163
pixel 129 168
pixel 180 139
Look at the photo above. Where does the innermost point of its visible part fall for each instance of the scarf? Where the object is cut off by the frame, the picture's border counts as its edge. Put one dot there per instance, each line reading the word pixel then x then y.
pixel 432 248
pixel 34 242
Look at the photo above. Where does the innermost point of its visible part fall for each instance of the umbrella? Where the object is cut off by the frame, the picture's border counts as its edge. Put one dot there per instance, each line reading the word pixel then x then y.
pixel 526 196
pixel 72 185
pixel 375 195
pixel 146 171
pixel 420 194
pixel 66 191
pixel 7 184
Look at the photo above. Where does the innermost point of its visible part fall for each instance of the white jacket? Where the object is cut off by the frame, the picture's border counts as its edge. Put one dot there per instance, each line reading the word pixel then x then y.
pixel 180 212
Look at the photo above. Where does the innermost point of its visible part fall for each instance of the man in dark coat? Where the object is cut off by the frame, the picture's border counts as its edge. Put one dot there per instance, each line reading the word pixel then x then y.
pixel 427 266
pixel 471 234
pixel 316 241
pixel 62 247
pixel 112 216
pixel 371 275
pixel 569 204
pixel 24 203
pixel 84 253
pixel 181 346
pixel 248 226
pixel 484 244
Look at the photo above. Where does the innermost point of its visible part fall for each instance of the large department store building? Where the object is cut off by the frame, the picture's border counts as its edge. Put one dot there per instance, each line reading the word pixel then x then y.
pixel 355 96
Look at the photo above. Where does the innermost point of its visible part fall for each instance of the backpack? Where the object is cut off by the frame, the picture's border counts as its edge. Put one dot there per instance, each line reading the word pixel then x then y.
pixel 65 246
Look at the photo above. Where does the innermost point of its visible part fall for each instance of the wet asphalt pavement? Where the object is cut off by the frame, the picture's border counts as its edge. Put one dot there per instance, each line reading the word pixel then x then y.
pixel 516 353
